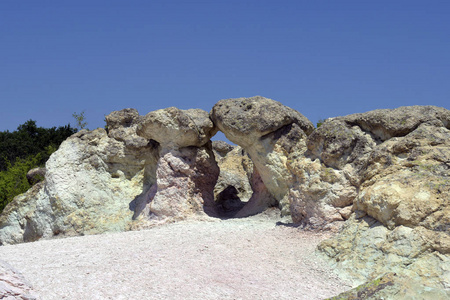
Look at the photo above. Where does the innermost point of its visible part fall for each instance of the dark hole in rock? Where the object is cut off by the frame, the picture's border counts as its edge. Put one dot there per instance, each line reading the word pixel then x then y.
pixel 228 202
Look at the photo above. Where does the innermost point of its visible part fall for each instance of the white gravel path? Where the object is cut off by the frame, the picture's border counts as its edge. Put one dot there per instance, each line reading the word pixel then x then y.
pixel 248 258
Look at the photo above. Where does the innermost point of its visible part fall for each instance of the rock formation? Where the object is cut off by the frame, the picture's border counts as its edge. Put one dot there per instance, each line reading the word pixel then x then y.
pixel 381 178
pixel 89 185
pixel 325 182
pixel 186 171
pixel 402 175
pixel 267 131
pixel 233 188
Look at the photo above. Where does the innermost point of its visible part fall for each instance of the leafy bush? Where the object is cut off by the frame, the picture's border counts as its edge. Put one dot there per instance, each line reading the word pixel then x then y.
pixel 14 181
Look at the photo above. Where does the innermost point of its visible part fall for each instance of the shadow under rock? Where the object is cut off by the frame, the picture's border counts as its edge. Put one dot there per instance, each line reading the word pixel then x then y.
pixel 139 203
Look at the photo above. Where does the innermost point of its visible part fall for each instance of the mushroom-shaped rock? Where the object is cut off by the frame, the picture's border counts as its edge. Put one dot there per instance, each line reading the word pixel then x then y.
pixel 186 171
pixel 176 128
pixel 268 131
pixel 245 120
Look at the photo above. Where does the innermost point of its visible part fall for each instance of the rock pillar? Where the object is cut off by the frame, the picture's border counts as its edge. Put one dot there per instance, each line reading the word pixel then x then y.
pixel 186 171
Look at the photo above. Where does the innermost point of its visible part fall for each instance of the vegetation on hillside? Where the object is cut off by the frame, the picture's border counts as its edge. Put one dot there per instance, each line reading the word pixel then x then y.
pixel 22 150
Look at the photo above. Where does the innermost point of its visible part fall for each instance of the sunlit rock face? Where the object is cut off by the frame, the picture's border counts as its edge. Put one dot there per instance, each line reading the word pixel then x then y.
pixel 400 165
pixel 174 128
pixel 89 184
pixel 186 172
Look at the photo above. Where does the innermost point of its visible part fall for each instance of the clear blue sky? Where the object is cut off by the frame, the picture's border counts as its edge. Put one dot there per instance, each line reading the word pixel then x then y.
pixel 322 58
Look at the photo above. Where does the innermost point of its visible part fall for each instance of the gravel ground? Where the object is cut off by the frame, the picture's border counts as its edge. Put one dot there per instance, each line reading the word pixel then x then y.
pixel 251 258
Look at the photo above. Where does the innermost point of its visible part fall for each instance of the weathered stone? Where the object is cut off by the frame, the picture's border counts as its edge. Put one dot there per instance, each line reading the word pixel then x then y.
pixel 185 184
pixel 260 200
pixel 36 175
pixel 365 249
pixel 228 202
pixel 176 128
pixel 327 174
pixel 236 170
pixel 384 124
pixel 89 185
pixel 337 144
pixel 267 130
pixel 13 285
pixel 245 120
pixel 346 212
pixel 221 148
pixel 318 193
pixel 122 127
pixel 401 222
pixel 382 177
pixel 186 171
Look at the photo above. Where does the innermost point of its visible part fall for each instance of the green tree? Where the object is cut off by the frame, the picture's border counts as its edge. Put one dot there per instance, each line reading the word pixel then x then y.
pixel 13 181
pixel 29 139
pixel 28 147
pixel 80 120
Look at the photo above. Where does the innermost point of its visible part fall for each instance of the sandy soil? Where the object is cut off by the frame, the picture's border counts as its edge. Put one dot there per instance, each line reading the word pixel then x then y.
pixel 250 258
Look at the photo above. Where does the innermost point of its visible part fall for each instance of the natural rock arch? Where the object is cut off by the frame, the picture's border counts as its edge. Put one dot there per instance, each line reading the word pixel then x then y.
pixel 265 129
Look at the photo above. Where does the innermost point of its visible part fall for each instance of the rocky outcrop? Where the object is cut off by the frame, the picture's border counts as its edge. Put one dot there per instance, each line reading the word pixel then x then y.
pixel 89 185
pixel 402 178
pixel 13 285
pixel 326 174
pixel 381 178
pixel 186 172
pixel 267 131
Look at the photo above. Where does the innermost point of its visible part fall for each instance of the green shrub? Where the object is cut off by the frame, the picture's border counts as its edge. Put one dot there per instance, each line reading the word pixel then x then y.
pixel 14 181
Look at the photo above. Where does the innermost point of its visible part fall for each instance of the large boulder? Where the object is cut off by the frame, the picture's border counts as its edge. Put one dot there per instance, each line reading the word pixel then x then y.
pixel 176 128
pixel 245 120
pixel 402 177
pixel 90 182
pixel 186 171
pixel 267 131
pixel 384 124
